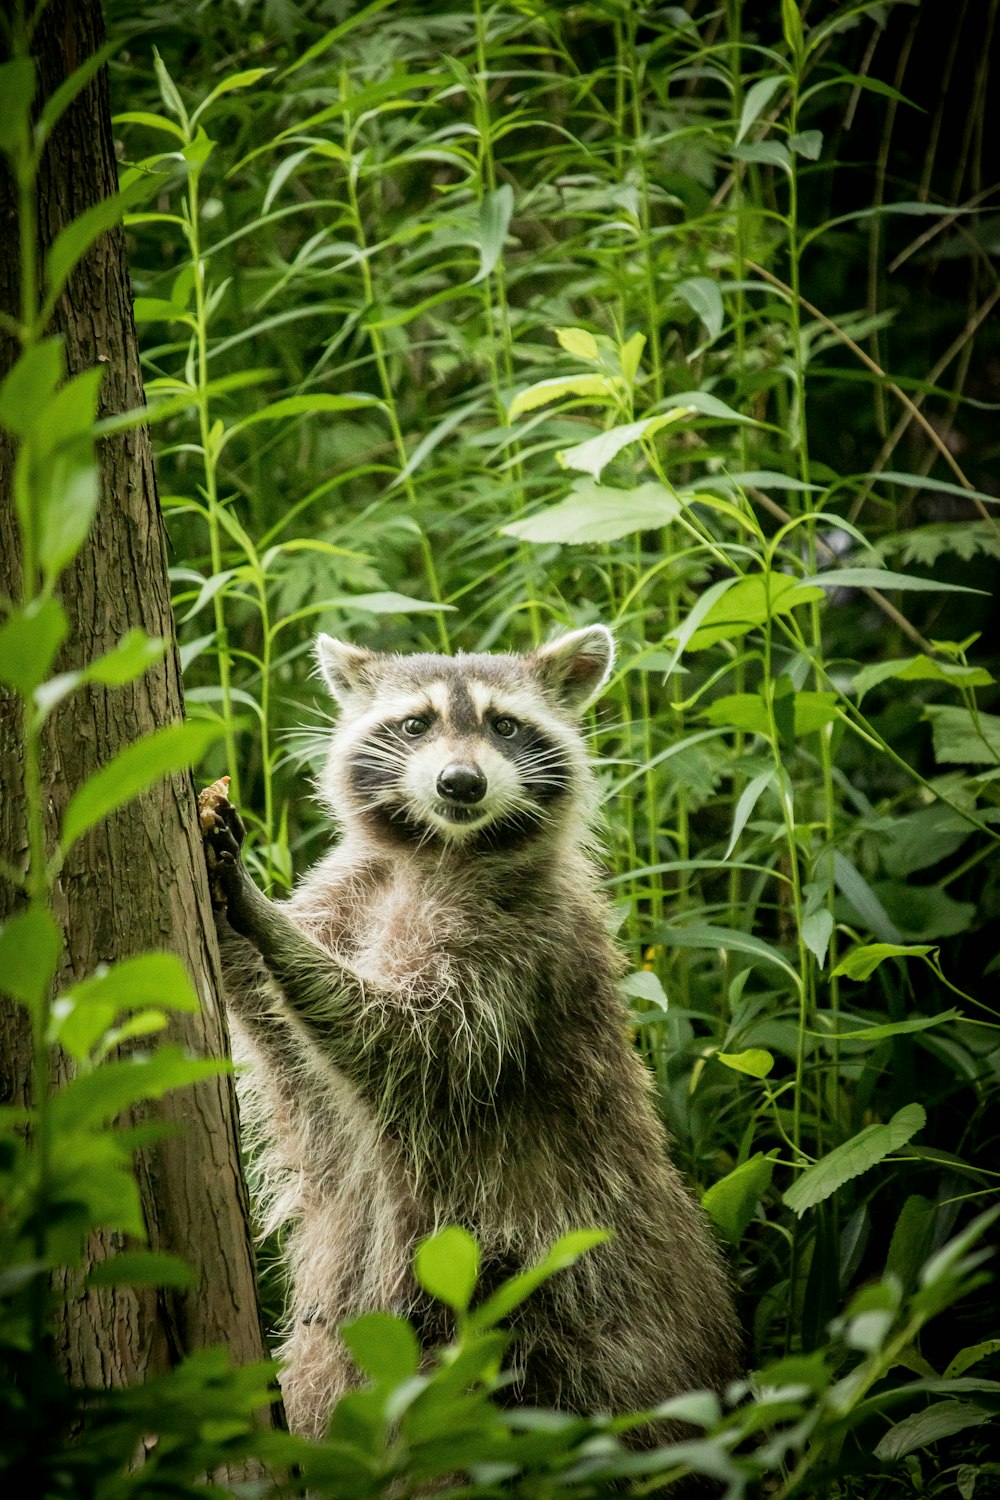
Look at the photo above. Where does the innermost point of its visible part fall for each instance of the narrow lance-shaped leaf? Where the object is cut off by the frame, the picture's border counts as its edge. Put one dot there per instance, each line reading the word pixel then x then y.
pixel 860 1154
pixel 134 770
pixel 494 220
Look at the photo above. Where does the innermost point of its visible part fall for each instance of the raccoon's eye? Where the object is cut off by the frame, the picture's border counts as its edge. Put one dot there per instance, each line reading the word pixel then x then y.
pixel 505 727
pixel 416 726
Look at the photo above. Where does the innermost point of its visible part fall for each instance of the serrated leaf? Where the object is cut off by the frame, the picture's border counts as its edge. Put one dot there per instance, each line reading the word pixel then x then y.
pixel 920 669
pixel 811 711
pixel 755 1061
pixel 963 738
pixel 494 220
pixel 447 1266
pixel 748 603
pixel 599 513
pixel 858 1155
pixel 596 453
pixel 861 963
pixel 133 770
pixel 600 388
pixel 384 1347
pixel 732 1201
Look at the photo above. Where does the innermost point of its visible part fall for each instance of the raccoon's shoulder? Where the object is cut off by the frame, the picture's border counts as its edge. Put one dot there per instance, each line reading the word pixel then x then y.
pixel 332 899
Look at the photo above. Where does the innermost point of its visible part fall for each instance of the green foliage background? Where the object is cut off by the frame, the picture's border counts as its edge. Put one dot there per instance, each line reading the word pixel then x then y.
pixel 462 325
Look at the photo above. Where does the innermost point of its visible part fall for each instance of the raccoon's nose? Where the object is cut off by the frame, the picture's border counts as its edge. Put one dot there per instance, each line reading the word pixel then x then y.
pixel 459 783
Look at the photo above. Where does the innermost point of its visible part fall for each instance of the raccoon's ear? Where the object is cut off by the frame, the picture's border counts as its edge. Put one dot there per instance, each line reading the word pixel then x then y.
pixel 348 671
pixel 576 666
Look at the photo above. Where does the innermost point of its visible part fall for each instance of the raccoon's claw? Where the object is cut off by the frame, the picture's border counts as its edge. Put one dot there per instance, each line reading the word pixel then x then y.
pixel 223 833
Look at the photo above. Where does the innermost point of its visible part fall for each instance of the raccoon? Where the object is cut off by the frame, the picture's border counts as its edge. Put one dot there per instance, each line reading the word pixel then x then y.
pixel 437 1038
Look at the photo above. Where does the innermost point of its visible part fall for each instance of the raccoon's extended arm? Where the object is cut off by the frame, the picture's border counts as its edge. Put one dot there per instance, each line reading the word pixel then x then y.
pixel 322 993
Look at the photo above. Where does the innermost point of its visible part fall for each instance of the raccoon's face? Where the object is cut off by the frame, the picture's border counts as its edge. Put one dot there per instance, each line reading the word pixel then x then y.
pixel 481 753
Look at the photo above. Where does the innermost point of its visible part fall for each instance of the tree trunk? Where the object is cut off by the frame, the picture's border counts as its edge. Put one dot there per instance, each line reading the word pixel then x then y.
pixel 136 881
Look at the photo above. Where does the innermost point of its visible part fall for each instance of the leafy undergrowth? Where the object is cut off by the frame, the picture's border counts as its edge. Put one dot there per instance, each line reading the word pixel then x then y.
pixel 462 325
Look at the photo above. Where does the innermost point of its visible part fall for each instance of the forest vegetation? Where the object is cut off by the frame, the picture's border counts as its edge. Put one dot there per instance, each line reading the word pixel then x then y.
pixel 459 325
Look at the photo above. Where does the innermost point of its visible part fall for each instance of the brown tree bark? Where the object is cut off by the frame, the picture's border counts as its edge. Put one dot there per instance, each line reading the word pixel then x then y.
pixel 137 881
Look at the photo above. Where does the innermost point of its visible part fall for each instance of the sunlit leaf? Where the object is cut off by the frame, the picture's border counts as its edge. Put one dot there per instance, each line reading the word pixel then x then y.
pixel 862 1152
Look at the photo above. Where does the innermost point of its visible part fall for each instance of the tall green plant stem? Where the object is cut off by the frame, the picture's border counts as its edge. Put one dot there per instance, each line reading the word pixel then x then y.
pixel 209 463
pixel 487 176
pixel 381 365
pixel 37 880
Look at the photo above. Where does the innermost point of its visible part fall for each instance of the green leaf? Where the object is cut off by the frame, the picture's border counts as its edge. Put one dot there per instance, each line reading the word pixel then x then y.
pixel 82 1016
pixel 703 297
pixel 770 153
pixel 30 385
pixel 969 1356
pixel 386 603
pixel 28 644
pixel 862 1152
pixel 142 1268
pixel 758 96
pixel 892 1028
pixel 447 1265
pixel 30 945
pixel 962 737
pixel 596 453
pixel 748 604
pixel 579 343
pixel 57 475
pixel 564 1253
pixel 494 220
pixel 168 89
pixel 808 143
pixel 791 25
pixel 732 1201
pixel 861 963
pixel 134 770
pixel 883 578
pixel 755 1061
pixel 599 513
pixel 96 1098
pixel 817 929
pixel 17 90
pixel 812 711
pixel 602 389
pixel 722 939
pixel 749 797
pixel 920 669
pixel 73 242
pixel 384 1347
pixel 941 1420
pixel 629 356
pixel 295 406
pixel 243 80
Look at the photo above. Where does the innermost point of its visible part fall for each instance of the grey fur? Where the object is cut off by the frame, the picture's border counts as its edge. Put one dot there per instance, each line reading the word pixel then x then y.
pixel 436 1038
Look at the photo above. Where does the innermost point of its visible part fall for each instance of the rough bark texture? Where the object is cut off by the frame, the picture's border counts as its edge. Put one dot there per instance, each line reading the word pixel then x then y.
pixel 137 881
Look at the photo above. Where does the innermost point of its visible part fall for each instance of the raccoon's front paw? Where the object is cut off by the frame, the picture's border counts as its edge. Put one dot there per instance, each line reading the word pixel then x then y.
pixel 223 833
